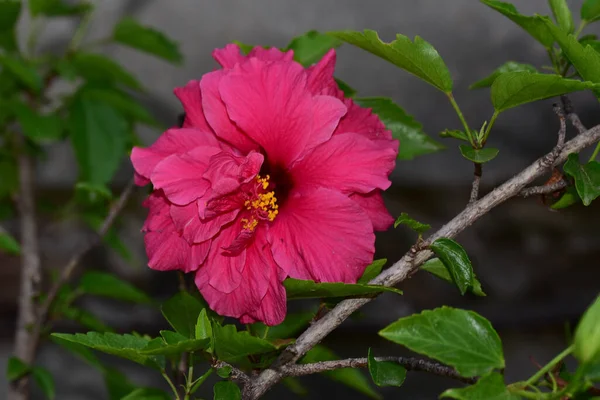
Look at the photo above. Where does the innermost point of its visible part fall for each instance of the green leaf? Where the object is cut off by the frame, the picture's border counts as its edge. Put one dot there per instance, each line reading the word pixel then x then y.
pixel 8 244
pixel 460 338
pixel 131 33
pixel 172 343
pixel 291 325
pixel 224 372
pixel 9 14
pixel 587 178
pixel 489 387
pixel 199 381
pixel 295 386
pixel 117 384
pixel 98 68
pixel 226 390
pixel 569 198
pixel 99 136
pixel 9 184
pixel 454 133
pixel 126 346
pixel 418 57
pixel 93 192
pixel 515 88
pixel 108 285
pixel 120 101
pixel 405 219
pixel 37 127
pixel 244 48
pixel 403 126
pixel 590 10
pixel 8 41
pixel 203 329
pixel 147 394
pixel 311 47
pixel 44 381
pixel 386 373
pixel 587 335
pixel 182 311
pixel 562 15
pixel 510 66
pixel 231 345
pixel 372 271
pixel 84 318
pixel 54 8
pixel 307 289
pixel 15 369
pixel 79 350
pixel 350 377
pixel 23 71
pixel 531 25
pixel 437 268
pixel 344 87
pixel 479 156
pixel 457 262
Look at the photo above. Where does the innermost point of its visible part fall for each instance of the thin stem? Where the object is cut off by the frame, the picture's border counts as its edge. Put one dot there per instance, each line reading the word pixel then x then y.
pixel 488 128
pixel 544 189
pixel 80 32
pixel 476 182
pixel 38 25
pixel 595 153
pixel 171 385
pixel 190 378
pixel 582 25
pixel 544 370
pixel 526 394
pixel 462 118
pixel 264 336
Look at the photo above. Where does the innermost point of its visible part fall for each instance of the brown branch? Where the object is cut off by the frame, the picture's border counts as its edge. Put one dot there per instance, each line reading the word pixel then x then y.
pixel 236 374
pixel 408 263
pixel 562 132
pixel 544 189
pixel 410 363
pixel 478 170
pixel 574 118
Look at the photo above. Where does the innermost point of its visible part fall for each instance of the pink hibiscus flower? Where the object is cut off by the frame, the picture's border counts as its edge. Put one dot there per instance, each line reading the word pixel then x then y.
pixel 273 174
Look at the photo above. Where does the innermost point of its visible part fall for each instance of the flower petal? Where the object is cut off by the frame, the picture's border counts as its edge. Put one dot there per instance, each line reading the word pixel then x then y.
pixel 362 121
pixel 271 54
pixel 322 235
pixel 320 76
pixel 372 204
pixel 196 230
pixel 348 163
pixel 273 306
pixel 190 97
pixel 228 56
pixel 226 171
pixel 327 112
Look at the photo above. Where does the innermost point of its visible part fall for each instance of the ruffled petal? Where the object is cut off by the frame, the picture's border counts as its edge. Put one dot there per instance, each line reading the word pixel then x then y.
pixel 362 121
pixel 271 54
pixel 228 56
pixel 348 163
pixel 191 100
pixel 227 172
pixel 196 230
pixel 327 112
pixel 322 235
pixel 372 204
pixel 273 306
pixel 320 76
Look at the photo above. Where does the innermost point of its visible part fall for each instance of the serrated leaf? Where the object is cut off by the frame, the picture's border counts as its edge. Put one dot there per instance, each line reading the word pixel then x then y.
pixel 147 394
pixel 15 369
pixel 122 102
pixel 515 88
pixel 23 71
pixel 44 381
pixel 562 15
pixel 126 346
pixel 99 136
pixel 55 8
pixel 510 66
pixel 311 47
pixel 414 142
pixel 344 87
pixel 99 68
pixel 231 345
pixel 9 14
pixel 226 390
pixel 405 219
pixel 386 373
pixel 569 198
pixel 460 338
pixel 590 10
pixel 587 335
pixel 530 24
pixel 479 156
pixel 172 343
pixel 307 289
pixel 350 377
pixel 372 271
pixel 130 32
pixel 182 311
pixel 489 387
pixel 419 57
pixel 437 268
pixel 38 127
pixel 587 178
pixel 454 133
pixel 8 244
pixel 456 261
pixel 108 285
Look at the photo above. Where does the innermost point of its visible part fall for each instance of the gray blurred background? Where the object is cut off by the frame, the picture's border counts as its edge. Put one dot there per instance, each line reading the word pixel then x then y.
pixel 539 268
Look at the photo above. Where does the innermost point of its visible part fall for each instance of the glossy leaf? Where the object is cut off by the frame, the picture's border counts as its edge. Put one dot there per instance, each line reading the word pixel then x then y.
pixel 386 373
pixel 108 285
pixel 182 311
pixel 147 394
pixel 405 219
pixel 515 88
pixel 131 33
pixel 226 390
pixel 479 156
pixel 510 66
pixel 454 133
pixel 587 335
pixel 531 25
pixel 311 47
pixel 125 346
pixel 590 10
pixel 122 102
pixel 15 369
pixel 372 271
pixel 9 14
pixel 55 8
pixel 417 57
pixel 99 135
pixel 99 68
pixel 172 343
pixel 569 198
pixel 344 87
pixel 22 70
pixel 8 244
pixel 437 268
pixel 350 377
pixel 562 15
pixel 456 261
pixel 203 329
pixel 37 127
pixel 43 379
pixel 307 289
pixel 231 345
pixel 224 372
pixel 460 338
pixel 403 126
pixel 489 387
pixel 587 178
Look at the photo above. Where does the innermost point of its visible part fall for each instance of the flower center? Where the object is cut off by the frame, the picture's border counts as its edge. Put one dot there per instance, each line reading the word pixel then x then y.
pixel 261 204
